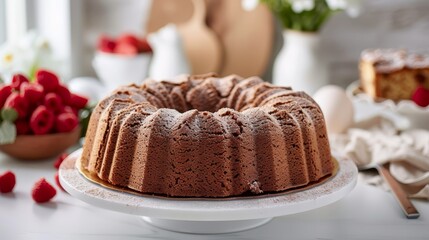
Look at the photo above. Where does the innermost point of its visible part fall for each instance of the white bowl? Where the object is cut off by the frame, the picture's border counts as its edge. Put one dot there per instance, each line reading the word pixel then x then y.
pixel 116 70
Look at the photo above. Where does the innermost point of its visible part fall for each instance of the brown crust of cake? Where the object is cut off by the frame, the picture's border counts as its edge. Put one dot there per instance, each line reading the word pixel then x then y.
pixel 97 180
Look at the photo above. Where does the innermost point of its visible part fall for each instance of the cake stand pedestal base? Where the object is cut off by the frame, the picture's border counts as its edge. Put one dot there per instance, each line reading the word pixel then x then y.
pixel 206 227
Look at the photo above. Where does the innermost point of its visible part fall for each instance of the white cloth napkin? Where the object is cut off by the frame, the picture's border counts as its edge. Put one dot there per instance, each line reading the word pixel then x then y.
pixel 376 140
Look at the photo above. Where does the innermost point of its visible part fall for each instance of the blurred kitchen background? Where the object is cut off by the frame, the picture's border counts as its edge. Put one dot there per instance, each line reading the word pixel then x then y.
pixel 74 26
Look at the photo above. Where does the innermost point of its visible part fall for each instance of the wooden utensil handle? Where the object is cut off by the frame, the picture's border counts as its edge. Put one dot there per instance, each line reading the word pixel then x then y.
pixel 399 193
pixel 200 9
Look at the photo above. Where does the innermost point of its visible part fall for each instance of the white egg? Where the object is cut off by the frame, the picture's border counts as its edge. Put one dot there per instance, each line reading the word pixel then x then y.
pixel 337 108
pixel 88 87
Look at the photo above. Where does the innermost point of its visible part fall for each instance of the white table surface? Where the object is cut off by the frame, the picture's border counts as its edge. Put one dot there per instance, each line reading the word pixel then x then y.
pixel 366 213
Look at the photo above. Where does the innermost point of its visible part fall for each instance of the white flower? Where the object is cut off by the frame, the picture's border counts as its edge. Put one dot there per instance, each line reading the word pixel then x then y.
pixel 299 6
pixel 337 4
pixel 352 7
pixel 32 51
pixel 249 5
pixel 11 59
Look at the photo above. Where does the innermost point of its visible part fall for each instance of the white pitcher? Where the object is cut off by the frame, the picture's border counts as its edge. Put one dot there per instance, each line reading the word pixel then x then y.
pixel 300 63
pixel 169 59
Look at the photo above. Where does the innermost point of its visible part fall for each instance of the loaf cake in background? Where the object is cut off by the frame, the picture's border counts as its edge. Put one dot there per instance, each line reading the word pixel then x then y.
pixel 204 136
pixel 393 73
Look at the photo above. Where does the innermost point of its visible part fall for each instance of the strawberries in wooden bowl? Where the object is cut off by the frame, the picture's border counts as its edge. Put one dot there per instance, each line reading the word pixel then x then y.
pixel 40 118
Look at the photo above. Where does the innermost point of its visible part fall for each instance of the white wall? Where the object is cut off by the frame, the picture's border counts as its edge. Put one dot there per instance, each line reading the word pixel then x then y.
pixel 2 22
pixel 61 22
pixel 383 23
pixel 110 17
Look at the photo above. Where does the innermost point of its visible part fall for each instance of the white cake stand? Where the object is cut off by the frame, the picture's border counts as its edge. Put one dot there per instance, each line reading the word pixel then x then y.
pixel 208 216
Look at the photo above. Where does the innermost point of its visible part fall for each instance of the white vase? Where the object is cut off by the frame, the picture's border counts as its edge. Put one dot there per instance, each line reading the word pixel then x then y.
pixel 300 63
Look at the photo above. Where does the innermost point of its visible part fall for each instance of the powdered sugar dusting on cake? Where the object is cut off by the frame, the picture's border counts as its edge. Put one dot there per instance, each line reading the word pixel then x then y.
pixel 417 61
pixel 390 60
pixel 255 188
pixel 385 60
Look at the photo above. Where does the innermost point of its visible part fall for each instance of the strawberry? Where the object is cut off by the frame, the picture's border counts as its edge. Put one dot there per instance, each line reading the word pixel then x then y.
pixel 59 160
pixel 66 122
pixel 57 181
pixel 144 46
pixel 129 39
pixel 77 101
pixel 17 80
pixel 32 92
pixel 43 191
pixel 53 102
pixel 5 91
pixel 68 109
pixel 42 120
pixel 48 80
pixel 7 182
pixel 22 127
pixel 64 93
pixel 18 103
pixel 126 49
pixel 421 96
pixel 106 44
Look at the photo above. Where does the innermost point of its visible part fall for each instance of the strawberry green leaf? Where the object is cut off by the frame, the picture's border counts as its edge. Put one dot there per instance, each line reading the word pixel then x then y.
pixel 9 114
pixel 7 132
pixel 33 70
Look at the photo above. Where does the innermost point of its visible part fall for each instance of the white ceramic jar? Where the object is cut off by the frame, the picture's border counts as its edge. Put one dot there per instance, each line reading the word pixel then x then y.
pixel 300 63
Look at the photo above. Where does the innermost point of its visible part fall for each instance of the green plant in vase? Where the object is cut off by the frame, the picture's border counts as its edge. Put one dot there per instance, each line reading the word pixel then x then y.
pixel 309 15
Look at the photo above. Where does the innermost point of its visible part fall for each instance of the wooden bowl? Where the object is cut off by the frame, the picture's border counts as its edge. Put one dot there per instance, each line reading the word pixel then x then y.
pixel 35 147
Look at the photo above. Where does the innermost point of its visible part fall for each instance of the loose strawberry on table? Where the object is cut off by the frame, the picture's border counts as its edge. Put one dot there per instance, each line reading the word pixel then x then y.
pixel 7 182
pixel 43 191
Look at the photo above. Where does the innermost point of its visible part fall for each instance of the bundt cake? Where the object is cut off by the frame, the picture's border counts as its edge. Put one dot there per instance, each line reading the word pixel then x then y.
pixel 204 136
